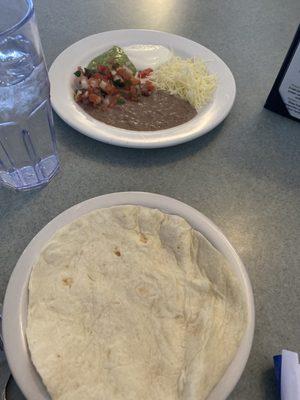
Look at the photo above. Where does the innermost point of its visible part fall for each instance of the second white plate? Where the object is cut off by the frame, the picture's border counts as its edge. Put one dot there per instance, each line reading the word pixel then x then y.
pixel 16 297
pixel 80 53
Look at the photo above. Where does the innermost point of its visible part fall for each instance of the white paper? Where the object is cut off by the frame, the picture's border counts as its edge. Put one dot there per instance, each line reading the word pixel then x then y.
pixel 290 376
pixel 290 86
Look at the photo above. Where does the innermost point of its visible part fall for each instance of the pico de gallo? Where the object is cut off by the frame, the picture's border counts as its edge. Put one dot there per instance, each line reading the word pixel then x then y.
pixel 111 85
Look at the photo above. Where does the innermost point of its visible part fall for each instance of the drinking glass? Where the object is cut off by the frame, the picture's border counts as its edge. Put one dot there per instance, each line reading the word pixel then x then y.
pixel 28 155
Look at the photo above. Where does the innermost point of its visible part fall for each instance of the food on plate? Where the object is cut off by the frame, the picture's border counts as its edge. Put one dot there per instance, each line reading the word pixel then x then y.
pixel 114 91
pixel 117 54
pixel 151 55
pixel 131 303
pixel 187 78
pixel 147 114
pixel 111 85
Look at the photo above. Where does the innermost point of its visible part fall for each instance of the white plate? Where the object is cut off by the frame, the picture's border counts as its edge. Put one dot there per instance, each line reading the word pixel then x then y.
pixel 16 297
pixel 80 53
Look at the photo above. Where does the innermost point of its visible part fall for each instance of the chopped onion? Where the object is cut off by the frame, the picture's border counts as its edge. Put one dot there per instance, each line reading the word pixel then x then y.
pixel 118 78
pixel 106 101
pixel 83 83
pixel 103 85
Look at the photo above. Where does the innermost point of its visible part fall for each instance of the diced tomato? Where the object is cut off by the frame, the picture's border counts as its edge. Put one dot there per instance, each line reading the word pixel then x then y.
pixel 150 86
pixel 111 89
pixel 133 92
pixel 104 72
pixel 94 83
pixel 95 99
pixel 145 91
pixel 134 81
pixel 97 75
pixel 145 72
pixel 126 75
pixel 147 88
pixel 103 69
pixel 113 101
pixel 97 87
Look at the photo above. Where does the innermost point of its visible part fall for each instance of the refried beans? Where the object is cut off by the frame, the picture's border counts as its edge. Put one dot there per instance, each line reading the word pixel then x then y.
pixel 161 110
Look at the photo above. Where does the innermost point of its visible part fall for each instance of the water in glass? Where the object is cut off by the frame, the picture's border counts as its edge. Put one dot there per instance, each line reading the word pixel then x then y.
pixel 28 156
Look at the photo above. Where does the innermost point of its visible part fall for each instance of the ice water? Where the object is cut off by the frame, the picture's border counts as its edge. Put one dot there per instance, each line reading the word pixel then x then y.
pixel 28 155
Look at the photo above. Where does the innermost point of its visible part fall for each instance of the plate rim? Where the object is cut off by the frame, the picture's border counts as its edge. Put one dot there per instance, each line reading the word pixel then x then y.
pixel 104 131
pixel 12 321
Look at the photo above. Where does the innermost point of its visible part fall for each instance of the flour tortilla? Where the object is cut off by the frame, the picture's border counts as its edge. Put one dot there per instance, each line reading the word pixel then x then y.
pixel 129 303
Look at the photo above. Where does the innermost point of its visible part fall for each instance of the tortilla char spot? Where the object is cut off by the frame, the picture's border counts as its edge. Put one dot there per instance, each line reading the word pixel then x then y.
pixel 195 329
pixel 117 253
pixel 90 278
pixel 143 238
pixel 58 355
pixel 68 282
pixel 142 291
pixel 156 370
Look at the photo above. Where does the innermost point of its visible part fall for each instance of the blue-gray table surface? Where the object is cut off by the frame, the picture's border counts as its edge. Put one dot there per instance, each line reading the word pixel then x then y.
pixel 244 175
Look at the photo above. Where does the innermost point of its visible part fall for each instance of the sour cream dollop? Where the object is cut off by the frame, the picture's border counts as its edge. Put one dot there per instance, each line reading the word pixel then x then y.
pixel 147 55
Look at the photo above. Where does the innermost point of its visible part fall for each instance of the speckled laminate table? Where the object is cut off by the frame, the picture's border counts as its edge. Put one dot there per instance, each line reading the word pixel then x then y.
pixel 244 175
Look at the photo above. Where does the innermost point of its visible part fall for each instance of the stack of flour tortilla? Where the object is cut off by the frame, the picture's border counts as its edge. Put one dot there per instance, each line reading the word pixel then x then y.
pixel 129 303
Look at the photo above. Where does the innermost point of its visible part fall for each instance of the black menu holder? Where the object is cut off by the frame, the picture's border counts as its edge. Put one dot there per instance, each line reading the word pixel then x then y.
pixel 284 97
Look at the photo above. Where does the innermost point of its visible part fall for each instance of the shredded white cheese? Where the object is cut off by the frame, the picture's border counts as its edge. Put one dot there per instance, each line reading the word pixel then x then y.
pixel 186 78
